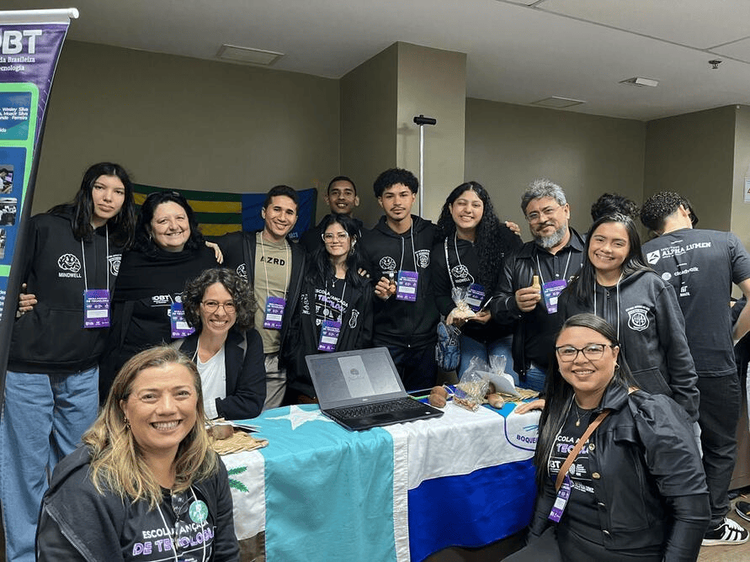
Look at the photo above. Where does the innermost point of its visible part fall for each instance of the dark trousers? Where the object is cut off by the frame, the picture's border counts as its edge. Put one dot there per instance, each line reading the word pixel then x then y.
pixel 416 366
pixel 719 413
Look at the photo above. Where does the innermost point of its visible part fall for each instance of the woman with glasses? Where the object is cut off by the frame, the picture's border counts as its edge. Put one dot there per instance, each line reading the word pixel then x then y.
pixel 469 257
pixel 145 484
pixel 335 309
pixel 635 488
pixel 616 284
pixel 146 306
pixel 226 348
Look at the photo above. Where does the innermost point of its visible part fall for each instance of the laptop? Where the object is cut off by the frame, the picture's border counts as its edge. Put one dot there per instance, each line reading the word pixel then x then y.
pixel 362 389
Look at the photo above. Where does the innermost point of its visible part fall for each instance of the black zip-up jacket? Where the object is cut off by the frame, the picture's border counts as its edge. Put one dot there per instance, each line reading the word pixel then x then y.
pixel 402 323
pixel 648 478
pixel 356 331
pixel 77 523
pixel 239 254
pixel 535 331
pixel 51 338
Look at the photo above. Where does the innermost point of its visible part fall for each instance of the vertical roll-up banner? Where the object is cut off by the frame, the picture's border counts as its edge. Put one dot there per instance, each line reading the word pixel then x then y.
pixel 30 44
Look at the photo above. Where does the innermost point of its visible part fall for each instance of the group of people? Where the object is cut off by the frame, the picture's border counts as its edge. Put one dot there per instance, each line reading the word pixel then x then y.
pixel 630 347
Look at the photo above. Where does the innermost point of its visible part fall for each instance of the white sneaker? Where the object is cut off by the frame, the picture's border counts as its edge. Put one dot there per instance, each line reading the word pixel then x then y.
pixel 729 532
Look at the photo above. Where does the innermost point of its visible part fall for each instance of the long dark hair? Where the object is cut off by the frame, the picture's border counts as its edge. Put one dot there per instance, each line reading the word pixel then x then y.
pixel 558 393
pixel 583 285
pixel 320 268
pixel 121 227
pixel 493 239
pixel 143 241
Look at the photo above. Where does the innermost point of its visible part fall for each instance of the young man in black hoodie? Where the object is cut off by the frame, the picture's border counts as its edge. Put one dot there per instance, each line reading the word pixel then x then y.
pixel 398 252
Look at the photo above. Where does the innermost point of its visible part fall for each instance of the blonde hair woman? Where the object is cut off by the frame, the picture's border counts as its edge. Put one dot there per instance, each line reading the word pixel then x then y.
pixel 146 479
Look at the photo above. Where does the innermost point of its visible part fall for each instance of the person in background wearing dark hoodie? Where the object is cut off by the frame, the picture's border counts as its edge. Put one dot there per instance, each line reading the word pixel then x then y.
pixel 341 197
pixel 70 265
pixel 146 485
pixel 274 266
pixel 335 309
pixel 615 284
pixel 398 251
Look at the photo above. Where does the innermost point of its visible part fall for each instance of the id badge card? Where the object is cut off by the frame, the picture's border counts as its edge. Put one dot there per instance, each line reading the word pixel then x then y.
pixel 551 291
pixel 406 289
pixel 180 327
pixel 475 296
pixel 96 308
pixel 563 494
pixel 329 335
pixel 274 313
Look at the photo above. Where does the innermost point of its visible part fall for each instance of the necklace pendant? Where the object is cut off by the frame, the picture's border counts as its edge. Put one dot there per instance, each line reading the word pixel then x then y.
pixel 578 423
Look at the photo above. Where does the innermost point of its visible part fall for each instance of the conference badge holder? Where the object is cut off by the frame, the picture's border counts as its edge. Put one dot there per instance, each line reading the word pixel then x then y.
pixel 96 308
pixel 329 335
pixel 551 291
pixel 406 289
pixel 180 327
pixel 274 313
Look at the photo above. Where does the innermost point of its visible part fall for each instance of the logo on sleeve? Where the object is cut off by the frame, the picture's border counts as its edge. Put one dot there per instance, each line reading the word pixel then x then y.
pixel 653 257
pixel 70 266
pixel 638 318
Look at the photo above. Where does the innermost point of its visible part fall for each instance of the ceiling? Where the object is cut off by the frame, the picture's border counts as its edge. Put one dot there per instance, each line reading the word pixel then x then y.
pixel 518 51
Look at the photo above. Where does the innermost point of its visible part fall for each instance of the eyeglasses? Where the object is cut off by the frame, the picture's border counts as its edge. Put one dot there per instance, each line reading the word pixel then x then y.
pixel 592 352
pixel 340 236
pixel 534 216
pixel 213 306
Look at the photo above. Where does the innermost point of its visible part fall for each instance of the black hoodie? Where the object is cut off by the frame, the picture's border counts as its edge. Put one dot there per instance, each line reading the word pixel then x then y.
pixel 403 323
pixel 51 338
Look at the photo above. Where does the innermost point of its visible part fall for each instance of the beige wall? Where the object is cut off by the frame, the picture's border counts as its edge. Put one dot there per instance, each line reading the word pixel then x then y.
pixel 693 155
pixel 368 127
pixel 740 222
pixel 507 146
pixel 432 82
pixel 186 123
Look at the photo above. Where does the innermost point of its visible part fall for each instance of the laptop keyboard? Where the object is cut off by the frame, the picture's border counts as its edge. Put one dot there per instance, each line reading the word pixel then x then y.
pixel 363 410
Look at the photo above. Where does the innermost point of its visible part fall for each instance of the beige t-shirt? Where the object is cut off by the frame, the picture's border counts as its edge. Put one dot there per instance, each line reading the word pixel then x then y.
pixel 273 270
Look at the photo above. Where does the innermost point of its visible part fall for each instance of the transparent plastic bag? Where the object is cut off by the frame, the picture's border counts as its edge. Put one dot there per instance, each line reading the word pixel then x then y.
pixel 472 388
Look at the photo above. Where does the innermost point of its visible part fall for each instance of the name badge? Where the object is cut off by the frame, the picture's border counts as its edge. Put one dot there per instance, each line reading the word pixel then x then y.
pixel 96 308
pixel 180 327
pixel 329 335
pixel 475 296
pixel 551 291
pixel 274 313
pixel 563 494
pixel 407 286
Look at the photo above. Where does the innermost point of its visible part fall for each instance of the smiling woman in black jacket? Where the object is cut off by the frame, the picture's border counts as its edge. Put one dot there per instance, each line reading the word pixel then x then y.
pixel 220 305
pixel 636 489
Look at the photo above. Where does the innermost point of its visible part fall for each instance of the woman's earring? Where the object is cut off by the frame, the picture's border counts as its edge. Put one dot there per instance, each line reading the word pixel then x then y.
pixel 127 423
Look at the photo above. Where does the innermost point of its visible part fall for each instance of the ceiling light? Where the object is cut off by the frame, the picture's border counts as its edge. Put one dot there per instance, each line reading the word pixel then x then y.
pixel 248 55
pixel 638 81
pixel 557 102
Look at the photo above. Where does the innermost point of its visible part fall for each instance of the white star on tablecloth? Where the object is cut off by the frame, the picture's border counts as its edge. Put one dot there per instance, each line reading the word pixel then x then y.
pixel 298 416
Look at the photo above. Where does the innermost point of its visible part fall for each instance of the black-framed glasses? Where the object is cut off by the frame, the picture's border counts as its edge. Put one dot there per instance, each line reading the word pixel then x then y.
pixel 213 306
pixel 591 351
pixel 330 236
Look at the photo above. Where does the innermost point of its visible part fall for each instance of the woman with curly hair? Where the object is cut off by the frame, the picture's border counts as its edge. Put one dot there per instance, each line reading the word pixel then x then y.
pixel 473 245
pixel 145 484
pixel 335 309
pixel 228 351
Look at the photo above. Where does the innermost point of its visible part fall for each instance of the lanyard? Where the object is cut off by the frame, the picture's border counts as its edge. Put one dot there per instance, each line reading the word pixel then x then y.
pixel 166 528
pixel 106 262
pixel 413 251
pixel 617 288
pixel 326 298
pixel 539 268
pixel 265 267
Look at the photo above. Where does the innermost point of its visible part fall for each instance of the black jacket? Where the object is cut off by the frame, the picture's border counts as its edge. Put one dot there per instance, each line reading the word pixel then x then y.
pixel 78 523
pixel 651 488
pixel 146 288
pixel 51 337
pixel 245 373
pixel 535 331
pixel 402 323
pixel 356 332
pixel 651 331
pixel 239 254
